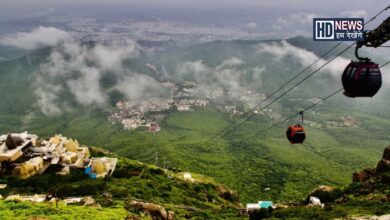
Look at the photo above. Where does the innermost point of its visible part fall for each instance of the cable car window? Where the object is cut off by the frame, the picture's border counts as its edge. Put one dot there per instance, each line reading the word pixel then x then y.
pixel 349 71
pixel 374 71
pixel 352 73
pixel 363 72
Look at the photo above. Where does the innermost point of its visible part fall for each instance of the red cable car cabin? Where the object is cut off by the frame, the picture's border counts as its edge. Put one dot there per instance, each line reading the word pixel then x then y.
pixel 296 134
pixel 361 79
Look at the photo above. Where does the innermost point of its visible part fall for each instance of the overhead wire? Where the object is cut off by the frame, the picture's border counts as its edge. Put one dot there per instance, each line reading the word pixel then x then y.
pixel 292 79
pixel 288 90
pixel 277 90
pixel 312 106
pixel 234 126
pixel 384 64
pixel 306 109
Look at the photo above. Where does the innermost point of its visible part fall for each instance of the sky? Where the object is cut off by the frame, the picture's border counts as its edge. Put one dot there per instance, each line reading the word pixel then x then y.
pixel 10 7
pixel 293 4
pixel 272 18
pixel 211 19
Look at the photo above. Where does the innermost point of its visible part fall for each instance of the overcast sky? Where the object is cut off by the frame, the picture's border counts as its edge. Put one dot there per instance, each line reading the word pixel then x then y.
pixel 293 17
pixel 315 5
pixel 276 3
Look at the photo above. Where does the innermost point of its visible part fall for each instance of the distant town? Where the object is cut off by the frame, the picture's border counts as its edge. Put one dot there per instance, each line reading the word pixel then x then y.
pixel 132 114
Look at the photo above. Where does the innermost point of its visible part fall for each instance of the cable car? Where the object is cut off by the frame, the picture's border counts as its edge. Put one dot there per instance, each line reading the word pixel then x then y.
pixel 296 134
pixel 361 79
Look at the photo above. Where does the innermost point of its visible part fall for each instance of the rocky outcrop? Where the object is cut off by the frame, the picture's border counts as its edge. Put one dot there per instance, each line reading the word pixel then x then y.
pixel 227 194
pixel 155 211
pixel 384 163
pixel 372 178
pixel 383 166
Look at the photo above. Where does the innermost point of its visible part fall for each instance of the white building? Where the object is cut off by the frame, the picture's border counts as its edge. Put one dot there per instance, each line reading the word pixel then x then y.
pixel 183 108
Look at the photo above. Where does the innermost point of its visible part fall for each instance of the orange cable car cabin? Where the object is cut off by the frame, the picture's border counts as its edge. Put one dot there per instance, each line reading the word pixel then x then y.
pixel 296 134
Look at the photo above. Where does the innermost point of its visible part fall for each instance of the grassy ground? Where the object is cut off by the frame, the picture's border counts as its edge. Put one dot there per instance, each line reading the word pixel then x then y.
pixel 131 180
pixel 28 210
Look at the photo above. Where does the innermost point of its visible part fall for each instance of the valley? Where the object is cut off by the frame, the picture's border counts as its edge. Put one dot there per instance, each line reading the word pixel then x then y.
pixel 167 111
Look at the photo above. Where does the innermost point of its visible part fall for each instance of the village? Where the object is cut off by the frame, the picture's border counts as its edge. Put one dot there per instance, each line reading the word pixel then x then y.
pixel 132 114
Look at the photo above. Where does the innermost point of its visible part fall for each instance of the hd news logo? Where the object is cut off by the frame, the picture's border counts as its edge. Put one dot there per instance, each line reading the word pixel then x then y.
pixel 338 29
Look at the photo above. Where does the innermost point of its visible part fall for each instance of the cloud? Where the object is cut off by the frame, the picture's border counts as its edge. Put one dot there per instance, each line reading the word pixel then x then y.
pixel 41 36
pixel 197 70
pixel 298 23
pixel 335 67
pixel 46 99
pixel 284 49
pixel 228 76
pixel 73 72
pixel 137 85
pixel 110 57
pixel 68 72
pixel 231 62
pixel 86 88
pixel 354 14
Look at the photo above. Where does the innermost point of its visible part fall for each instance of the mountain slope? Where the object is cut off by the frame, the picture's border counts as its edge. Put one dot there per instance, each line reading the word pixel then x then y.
pixel 131 182
pixel 367 197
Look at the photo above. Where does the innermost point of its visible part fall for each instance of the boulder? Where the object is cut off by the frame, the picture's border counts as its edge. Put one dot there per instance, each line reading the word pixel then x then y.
pixel 227 194
pixel 88 201
pixel 323 193
pixel 155 211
